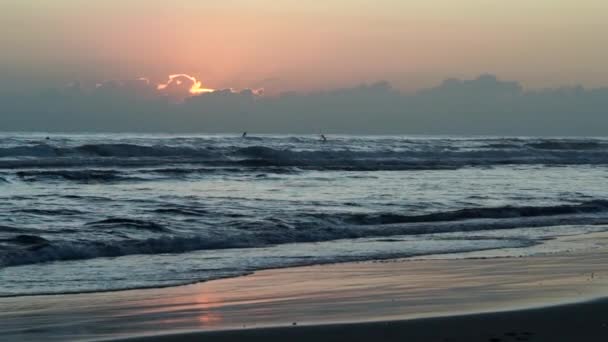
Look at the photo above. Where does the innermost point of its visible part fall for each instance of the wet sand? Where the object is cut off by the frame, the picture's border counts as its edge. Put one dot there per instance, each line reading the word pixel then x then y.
pixel 568 323
pixel 408 300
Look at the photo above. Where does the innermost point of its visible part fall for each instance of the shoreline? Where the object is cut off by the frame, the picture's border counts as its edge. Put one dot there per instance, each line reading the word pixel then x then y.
pixel 391 290
pixel 575 243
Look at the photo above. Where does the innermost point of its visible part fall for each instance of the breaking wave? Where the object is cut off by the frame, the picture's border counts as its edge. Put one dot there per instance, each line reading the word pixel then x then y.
pixel 249 233
pixel 482 213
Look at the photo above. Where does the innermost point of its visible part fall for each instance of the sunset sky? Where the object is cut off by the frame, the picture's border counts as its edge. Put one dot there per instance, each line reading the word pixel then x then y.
pixel 303 45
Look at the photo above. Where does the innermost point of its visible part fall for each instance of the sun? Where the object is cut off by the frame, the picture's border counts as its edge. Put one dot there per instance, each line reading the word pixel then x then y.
pixel 196 87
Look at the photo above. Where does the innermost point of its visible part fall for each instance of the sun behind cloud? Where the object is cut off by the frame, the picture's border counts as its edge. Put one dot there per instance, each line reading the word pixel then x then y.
pixel 177 81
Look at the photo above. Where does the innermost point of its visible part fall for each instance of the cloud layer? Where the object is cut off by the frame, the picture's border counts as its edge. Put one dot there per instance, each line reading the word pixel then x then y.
pixel 485 105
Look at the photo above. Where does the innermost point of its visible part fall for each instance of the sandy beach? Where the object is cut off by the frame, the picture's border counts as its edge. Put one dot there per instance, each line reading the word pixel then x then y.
pixel 423 300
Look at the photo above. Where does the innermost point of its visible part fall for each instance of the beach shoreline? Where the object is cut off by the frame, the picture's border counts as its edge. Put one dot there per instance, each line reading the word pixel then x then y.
pixel 315 296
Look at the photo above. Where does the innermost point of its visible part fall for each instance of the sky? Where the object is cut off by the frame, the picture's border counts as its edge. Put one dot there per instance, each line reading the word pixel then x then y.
pixel 305 45
pixel 273 47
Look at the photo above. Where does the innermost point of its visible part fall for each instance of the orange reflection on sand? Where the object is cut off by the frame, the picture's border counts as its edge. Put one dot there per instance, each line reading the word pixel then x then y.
pixel 205 304
pixel 180 312
pixel 210 319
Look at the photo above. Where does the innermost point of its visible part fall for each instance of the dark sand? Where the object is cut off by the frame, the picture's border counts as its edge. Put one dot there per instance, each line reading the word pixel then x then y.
pixel 572 323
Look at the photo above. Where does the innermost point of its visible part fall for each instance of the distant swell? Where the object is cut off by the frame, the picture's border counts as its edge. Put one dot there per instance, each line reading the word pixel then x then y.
pixel 363 155
pixel 246 233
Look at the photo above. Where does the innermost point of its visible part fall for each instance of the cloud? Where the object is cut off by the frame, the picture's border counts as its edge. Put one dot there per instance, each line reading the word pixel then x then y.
pixel 141 88
pixel 183 85
pixel 483 105
pixel 484 85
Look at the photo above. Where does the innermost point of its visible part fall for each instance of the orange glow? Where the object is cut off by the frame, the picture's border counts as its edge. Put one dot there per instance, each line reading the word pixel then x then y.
pixel 195 89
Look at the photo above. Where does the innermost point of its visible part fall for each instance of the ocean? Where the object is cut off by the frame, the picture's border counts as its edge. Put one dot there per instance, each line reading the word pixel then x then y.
pixel 103 212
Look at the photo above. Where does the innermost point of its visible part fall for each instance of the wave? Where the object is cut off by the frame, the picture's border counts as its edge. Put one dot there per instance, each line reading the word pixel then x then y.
pixel 251 233
pixel 188 170
pixel 479 213
pixel 78 250
pixel 434 159
pixel 39 150
pixel 126 223
pixel 30 242
pixel 131 150
pixel 567 145
pixel 9 229
pixel 101 150
pixel 342 154
pixel 547 144
pixel 49 212
pixel 183 211
pixel 74 175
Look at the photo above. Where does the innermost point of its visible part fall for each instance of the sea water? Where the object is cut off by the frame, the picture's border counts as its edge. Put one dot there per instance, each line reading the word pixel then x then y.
pixel 101 212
